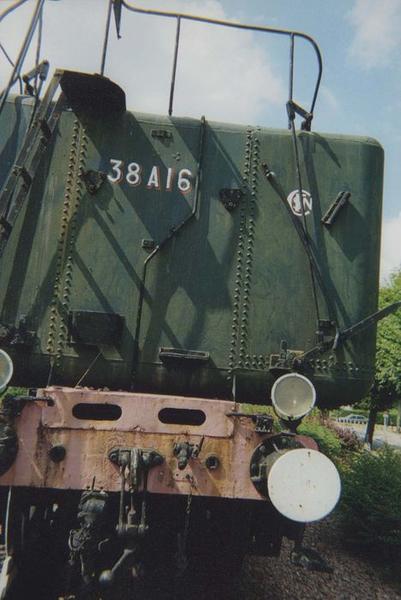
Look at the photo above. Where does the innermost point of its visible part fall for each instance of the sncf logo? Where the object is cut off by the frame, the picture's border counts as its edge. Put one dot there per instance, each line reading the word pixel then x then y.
pixel 294 201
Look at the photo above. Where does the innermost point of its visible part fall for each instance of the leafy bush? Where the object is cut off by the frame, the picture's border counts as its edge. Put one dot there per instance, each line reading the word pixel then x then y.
pixel 328 441
pixel 348 438
pixel 14 391
pixel 371 508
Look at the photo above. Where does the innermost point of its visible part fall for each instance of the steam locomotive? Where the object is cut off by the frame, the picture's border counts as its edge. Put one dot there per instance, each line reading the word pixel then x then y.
pixel 158 272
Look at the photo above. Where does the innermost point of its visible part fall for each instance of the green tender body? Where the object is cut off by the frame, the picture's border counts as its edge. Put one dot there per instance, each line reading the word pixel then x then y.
pixel 231 284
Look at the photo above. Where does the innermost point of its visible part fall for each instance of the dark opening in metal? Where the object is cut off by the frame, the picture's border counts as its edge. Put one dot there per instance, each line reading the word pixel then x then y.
pixel 97 412
pixel 212 462
pixel 182 416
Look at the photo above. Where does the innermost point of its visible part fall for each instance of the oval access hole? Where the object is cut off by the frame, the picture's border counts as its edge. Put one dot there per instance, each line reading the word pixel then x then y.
pixel 182 416
pixel 97 412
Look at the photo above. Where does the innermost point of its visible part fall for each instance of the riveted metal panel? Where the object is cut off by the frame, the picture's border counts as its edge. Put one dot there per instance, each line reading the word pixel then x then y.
pixel 185 271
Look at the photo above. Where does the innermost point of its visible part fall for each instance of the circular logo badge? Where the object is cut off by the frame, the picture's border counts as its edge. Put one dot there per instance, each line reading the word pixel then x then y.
pixel 295 203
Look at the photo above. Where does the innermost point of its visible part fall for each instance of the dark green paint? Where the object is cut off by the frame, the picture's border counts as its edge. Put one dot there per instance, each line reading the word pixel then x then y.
pixel 231 283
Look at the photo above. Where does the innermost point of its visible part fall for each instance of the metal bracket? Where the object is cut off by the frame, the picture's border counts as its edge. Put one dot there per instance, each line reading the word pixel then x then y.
pixel 332 212
pixel 340 337
pixel 294 109
pixel 263 422
pixel 285 360
pixel 45 129
pixel 93 180
pixel 183 355
pixel 117 5
pixel 19 335
pixel 21 171
pixel 326 333
pixel 41 71
pixel 365 323
pixel 230 197
pixel 148 245
pixel 184 451
pixel 162 134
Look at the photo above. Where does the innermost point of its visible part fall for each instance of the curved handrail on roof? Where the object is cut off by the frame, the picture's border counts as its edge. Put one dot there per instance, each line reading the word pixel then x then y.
pixel 258 28
pixel 11 8
pixel 118 4
pixel 16 72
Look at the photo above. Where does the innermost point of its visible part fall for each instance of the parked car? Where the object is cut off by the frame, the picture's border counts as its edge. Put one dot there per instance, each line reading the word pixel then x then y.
pixel 354 419
pixel 357 419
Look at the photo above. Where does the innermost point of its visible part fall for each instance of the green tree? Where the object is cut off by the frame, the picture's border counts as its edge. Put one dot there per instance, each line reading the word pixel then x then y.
pixel 387 384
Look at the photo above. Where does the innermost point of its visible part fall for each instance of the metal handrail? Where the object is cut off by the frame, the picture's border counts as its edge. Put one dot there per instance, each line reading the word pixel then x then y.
pixel 3 15
pixel 11 8
pixel 24 48
pixel 117 4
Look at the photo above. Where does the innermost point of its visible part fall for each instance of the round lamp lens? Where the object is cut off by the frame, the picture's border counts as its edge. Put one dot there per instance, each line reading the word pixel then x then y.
pixel 304 485
pixel 293 396
pixel 6 370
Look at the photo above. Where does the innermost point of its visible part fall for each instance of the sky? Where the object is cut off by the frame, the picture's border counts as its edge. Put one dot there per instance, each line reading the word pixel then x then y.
pixel 241 76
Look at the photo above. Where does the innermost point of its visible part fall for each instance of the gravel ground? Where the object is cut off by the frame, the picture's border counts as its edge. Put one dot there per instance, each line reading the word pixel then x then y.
pixel 277 579
pixel 353 577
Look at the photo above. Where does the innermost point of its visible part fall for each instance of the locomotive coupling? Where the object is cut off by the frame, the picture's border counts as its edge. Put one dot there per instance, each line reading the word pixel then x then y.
pixel 137 462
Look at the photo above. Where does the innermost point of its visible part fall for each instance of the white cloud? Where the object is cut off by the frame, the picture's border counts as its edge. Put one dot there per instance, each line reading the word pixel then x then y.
pixel 391 247
pixel 377 39
pixel 222 73
pixel 329 98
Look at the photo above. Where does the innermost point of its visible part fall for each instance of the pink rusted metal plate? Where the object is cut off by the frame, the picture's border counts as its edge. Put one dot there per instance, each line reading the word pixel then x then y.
pixel 88 443
pixel 140 412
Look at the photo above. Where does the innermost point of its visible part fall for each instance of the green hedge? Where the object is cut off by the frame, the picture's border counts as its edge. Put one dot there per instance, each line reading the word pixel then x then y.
pixel 329 443
pixel 370 512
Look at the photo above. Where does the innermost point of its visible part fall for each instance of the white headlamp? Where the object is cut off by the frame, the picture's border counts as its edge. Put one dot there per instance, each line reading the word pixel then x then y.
pixel 293 396
pixel 6 370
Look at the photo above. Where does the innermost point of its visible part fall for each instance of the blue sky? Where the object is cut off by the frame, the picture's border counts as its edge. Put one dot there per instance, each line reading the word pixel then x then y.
pixel 243 77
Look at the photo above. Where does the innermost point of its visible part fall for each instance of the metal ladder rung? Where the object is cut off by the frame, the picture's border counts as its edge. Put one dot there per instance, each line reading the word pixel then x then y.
pixel 23 172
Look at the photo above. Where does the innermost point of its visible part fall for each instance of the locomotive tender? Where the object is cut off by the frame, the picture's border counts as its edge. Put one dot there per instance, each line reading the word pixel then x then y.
pixel 156 273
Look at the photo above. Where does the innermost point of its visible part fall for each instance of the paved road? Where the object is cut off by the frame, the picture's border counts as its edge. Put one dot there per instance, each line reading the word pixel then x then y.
pixel 381 436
